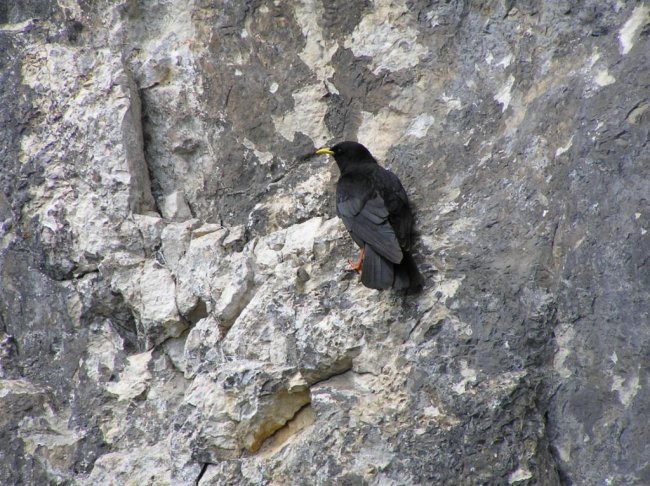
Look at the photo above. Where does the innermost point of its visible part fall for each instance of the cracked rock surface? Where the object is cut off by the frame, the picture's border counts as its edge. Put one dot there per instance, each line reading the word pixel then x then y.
pixel 173 305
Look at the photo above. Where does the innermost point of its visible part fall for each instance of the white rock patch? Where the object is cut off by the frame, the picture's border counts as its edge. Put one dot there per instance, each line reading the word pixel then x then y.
pixel 387 39
pixel 419 127
pixel 628 34
pixel 504 95
pixel 307 116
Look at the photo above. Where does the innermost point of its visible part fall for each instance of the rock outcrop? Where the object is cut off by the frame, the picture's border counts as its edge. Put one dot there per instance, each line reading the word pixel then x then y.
pixel 173 305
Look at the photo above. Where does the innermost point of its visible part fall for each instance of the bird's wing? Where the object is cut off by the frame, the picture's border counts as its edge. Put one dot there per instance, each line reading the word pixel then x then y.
pixel 401 218
pixel 365 215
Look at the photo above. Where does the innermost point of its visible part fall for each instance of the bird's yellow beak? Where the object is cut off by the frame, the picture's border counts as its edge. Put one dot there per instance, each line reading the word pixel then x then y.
pixel 324 151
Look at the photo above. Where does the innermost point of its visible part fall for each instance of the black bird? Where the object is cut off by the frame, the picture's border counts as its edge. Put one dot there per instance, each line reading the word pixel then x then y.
pixel 374 208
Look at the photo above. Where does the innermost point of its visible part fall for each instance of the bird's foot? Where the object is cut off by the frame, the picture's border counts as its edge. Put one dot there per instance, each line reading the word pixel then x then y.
pixel 356 266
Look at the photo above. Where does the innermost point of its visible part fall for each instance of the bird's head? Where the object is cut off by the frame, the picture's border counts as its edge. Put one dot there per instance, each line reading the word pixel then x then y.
pixel 348 154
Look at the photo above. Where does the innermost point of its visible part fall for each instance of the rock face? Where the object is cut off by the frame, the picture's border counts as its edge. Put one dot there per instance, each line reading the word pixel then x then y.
pixel 173 308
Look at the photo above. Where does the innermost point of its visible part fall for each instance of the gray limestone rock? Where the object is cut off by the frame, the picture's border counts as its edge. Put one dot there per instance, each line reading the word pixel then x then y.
pixel 173 304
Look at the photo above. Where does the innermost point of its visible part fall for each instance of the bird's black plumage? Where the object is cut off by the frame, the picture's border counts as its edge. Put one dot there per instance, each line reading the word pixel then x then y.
pixel 374 208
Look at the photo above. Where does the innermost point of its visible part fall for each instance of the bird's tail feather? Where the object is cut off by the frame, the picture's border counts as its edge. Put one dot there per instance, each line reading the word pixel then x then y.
pixel 376 272
pixel 407 275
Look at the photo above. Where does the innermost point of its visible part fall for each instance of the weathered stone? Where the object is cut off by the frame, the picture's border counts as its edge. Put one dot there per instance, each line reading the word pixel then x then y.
pixel 232 421
pixel 150 290
pixel 173 305
pixel 133 381
pixel 174 207
pixel 202 350
pixel 150 227
pixel 50 437
pixel 146 465
pixel 18 396
pixel 235 238
pixel 175 241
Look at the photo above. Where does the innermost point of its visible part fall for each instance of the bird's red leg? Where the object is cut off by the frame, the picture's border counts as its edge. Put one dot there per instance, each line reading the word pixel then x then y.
pixel 356 267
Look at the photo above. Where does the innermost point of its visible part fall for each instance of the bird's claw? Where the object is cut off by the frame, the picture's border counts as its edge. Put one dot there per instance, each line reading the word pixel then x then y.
pixel 354 267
